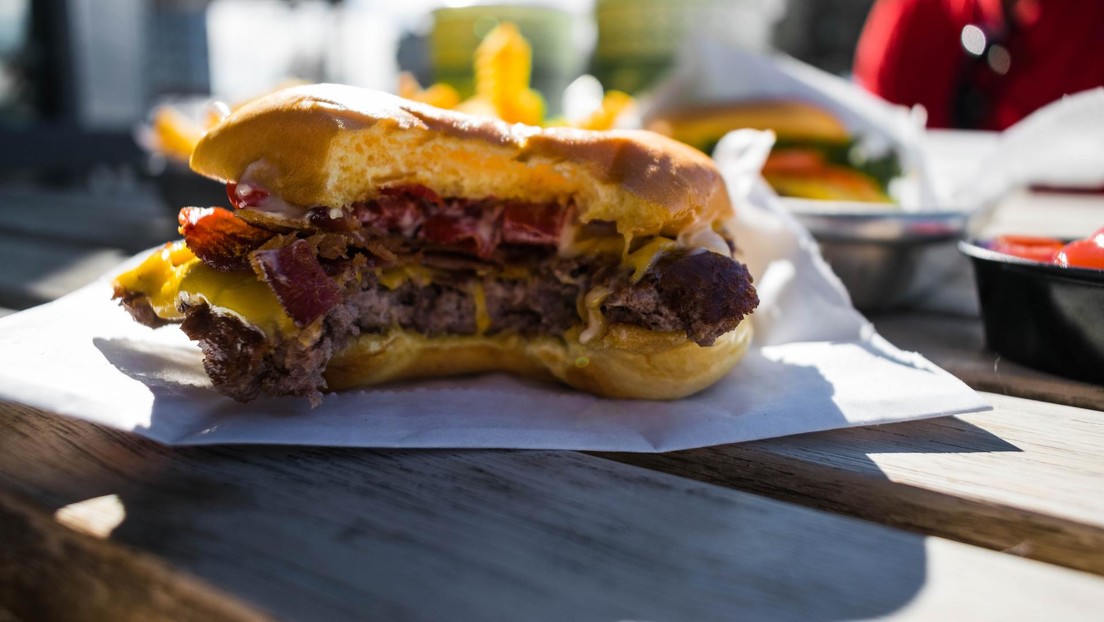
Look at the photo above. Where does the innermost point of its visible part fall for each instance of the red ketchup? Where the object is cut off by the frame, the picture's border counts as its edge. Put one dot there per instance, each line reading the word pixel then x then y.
pixel 1028 247
pixel 1084 253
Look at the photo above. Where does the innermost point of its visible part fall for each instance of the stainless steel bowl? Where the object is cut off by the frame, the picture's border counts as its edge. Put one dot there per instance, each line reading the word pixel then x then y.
pixel 887 258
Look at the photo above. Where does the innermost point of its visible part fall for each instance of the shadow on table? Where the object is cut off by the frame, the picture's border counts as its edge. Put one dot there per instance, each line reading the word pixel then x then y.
pixel 533 535
pixel 836 471
pixel 315 533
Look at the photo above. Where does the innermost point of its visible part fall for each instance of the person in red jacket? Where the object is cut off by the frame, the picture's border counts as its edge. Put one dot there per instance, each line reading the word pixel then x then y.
pixel 981 64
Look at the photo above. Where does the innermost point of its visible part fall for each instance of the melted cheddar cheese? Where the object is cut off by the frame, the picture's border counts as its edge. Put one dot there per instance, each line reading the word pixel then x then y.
pixel 173 274
pixel 642 259
pixel 479 298
pixel 240 293
pixel 592 312
pixel 610 245
pixel 158 278
pixel 395 277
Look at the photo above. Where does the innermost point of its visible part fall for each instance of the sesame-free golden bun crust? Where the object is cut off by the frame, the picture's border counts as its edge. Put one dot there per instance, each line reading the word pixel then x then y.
pixel 627 362
pixel 334 145
pixel 702 125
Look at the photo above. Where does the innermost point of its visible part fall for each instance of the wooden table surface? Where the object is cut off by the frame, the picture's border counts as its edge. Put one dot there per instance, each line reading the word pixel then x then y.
pixel 994 515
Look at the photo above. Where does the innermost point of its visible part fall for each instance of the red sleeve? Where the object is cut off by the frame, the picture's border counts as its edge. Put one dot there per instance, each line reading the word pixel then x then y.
pixel 910 52
pixel 1055 51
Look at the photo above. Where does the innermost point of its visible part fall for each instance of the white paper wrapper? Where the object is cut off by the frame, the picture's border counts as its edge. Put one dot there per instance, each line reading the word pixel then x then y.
pixel 816 364
pixel 1060 144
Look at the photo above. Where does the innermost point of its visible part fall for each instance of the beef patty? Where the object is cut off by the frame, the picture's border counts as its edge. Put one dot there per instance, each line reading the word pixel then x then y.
pixel 466 246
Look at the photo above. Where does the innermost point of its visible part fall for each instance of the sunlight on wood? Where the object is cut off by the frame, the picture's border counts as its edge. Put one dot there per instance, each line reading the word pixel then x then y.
pixel 97 517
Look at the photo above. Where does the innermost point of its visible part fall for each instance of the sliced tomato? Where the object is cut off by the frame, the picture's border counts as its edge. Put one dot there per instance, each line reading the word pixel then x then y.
pixel 1028 247
pixel 794 161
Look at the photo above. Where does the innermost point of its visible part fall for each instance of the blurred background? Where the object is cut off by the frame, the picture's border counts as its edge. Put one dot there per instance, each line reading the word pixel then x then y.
pixel 83 83
pixel 78 76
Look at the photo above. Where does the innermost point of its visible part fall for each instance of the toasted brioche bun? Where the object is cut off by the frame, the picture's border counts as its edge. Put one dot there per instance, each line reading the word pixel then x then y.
pixel 334 145
pixel 703 125
pixel 628 362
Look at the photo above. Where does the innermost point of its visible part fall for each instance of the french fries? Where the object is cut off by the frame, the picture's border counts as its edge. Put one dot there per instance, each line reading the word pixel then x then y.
pixel 440 95
pixel 503 65
pixel 614 103
pixel 174 134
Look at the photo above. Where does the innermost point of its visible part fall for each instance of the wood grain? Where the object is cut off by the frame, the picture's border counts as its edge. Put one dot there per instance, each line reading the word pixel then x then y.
pixel 1026 478
pixel 494 535
pixel 52 573
pixel 957 344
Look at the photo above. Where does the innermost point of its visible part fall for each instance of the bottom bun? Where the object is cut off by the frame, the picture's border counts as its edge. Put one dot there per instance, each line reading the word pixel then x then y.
pixel 628 362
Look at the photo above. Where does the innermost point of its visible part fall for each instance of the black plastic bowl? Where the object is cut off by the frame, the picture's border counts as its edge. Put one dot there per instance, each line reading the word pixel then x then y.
pixel 1042 315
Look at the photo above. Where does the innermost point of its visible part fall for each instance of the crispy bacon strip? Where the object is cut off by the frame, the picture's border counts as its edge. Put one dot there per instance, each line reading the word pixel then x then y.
pixel 470 226
pixel 399 209
pixel 220 239
pixel 475 226
pixel 392 213
pixel 525 223
pixel 414 190
pixel 329 219
pixel 300 282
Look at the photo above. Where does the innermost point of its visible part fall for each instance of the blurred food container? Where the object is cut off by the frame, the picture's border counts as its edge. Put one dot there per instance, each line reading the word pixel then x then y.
pixel 1042 315
pixel 814 155
pixel 638 40
pixel 888 254
pixel 734 84
pixel 457 32
pixel 887 258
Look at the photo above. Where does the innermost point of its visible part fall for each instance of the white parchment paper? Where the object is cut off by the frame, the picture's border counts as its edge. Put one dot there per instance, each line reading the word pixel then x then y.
pixel 816 364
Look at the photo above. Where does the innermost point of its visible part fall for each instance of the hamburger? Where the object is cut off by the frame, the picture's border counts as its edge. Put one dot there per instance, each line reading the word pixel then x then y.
pixel 814 155
pixel 371 239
